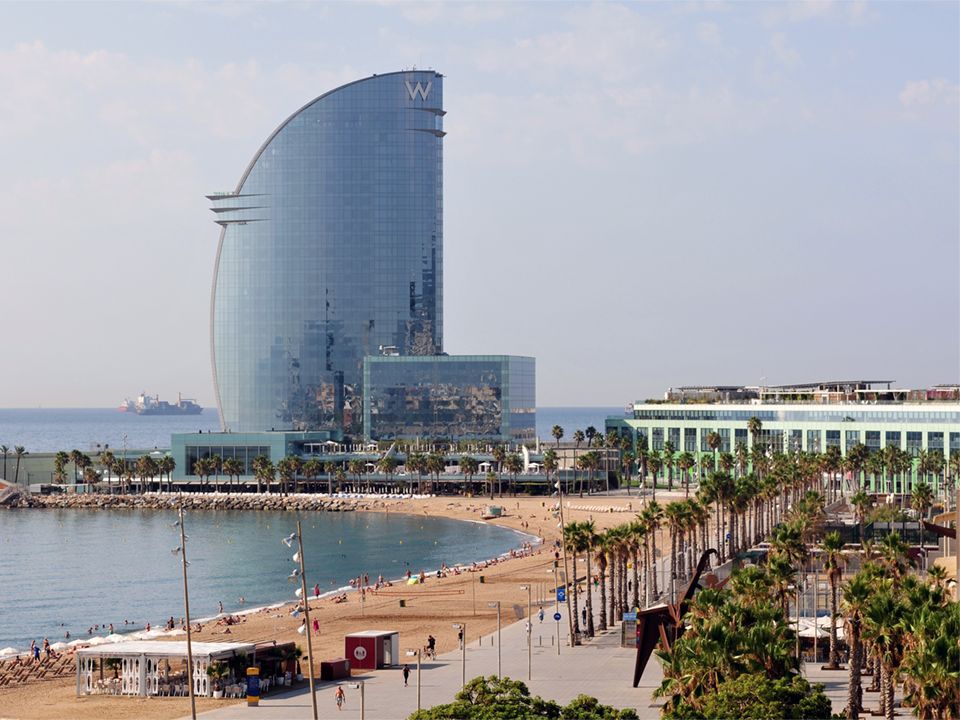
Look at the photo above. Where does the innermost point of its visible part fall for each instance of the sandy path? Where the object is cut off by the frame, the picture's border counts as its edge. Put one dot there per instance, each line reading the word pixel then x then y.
pixel 430 608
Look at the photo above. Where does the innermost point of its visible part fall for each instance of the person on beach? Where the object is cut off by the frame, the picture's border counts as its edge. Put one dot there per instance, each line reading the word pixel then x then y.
pixel 316 626
pixel 340 697
pixel 34 650
pixel 316 590
pixel 46 648
pixel 540 614
pixel 111 628
pixel 220 602
pixel 406 674
pixel 431 646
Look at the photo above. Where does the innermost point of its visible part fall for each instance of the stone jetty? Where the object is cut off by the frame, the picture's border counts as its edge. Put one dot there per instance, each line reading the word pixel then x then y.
pixel 206 501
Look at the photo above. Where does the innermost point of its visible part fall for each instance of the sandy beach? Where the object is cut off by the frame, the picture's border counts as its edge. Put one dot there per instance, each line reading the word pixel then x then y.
pixel 430 608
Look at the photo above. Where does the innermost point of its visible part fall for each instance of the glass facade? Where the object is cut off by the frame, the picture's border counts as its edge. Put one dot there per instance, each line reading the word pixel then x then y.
pixel 844 413
pixel 487 397
pixel 331 247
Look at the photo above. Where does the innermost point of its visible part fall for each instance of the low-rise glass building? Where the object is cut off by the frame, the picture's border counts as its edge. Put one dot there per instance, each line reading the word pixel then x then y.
pixel 802 418
pixel 456 397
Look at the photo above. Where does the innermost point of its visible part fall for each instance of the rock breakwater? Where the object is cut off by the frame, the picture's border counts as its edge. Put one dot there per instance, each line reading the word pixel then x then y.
pixel 209 501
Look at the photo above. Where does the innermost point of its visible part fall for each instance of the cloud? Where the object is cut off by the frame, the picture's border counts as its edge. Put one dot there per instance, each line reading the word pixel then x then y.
pixel 920 93
pixel 709 33
pixel 803 11
pixel 785 54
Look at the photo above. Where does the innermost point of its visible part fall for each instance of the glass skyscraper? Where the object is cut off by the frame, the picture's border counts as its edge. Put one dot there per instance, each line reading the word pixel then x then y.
pixel 331 249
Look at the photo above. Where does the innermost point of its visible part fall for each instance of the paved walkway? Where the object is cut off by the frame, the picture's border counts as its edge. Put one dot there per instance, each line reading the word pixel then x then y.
pixel 600 668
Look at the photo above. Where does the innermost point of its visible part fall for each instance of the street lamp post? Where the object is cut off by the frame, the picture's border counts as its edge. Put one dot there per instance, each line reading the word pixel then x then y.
pixel 556 602
pixel 496 604
pixel 529 634
pixel 462 627
pixel 418 653
pixel 288 541
pixel 359 686
pixel 186 606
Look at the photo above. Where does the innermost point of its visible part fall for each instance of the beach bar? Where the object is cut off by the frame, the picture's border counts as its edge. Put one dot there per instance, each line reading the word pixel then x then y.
pixel 144 667
pixel 372 649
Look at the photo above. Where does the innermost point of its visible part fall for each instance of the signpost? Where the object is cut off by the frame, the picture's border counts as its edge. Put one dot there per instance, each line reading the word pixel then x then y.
pixel 557 616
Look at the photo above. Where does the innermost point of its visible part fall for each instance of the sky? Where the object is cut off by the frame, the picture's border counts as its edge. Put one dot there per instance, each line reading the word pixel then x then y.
pixel 641 195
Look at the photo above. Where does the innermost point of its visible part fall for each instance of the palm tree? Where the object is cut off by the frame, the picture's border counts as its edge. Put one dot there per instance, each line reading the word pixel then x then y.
pixel 626 465
pixel 233 469
pixel 674 516
pixel 491 479
pixel 166 466
pixel 19 451
pixel 754 426
pixel 713 441
pixel 685 461
pixel 499 457
pixel 550 466
pixel 469 466
pixel 76 457
pixel 856 460
pixel 667 456
pixel 861 504
pixel 60 461
pixel 833 562
pixel 572 541
pixel 601 549
pixel 882 627
pixel 578 437
pixel 557 433
pixel 329 468
pixel 417 462
pixel 514 467
pixel 588 541
pixel 201 468
pixel 264 471
pixel 341 477
pixel 436 465
pixel 590 433
pixel 653 462
pixel 106 460
pixel 783 576
pixel 856 595
pixel 312 469
pixel 921 499
pixel 652 516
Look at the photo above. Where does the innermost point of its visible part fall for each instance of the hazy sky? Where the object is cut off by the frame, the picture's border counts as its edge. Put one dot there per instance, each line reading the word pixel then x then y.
pixel 640 195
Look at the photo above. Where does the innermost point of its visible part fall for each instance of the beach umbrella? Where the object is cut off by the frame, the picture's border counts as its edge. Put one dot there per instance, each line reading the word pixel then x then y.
pixel 8 651
pixel 97 640
pixel 58 646
pixel 114 637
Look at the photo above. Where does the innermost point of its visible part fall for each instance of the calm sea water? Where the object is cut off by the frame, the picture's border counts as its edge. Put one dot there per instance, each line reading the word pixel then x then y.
pixel 49 430
pixel 68 570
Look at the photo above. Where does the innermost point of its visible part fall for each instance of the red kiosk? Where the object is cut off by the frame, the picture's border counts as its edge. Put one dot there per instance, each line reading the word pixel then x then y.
pixel 372 649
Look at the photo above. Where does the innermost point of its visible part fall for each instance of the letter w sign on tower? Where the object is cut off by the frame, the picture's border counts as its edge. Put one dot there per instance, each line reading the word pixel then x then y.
pixel 418 89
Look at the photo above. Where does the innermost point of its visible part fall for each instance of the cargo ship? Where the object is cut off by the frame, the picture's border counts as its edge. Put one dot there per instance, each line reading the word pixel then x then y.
pixel 153 405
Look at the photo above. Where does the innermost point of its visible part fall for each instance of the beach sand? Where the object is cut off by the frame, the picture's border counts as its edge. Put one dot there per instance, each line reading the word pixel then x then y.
pixel 430 608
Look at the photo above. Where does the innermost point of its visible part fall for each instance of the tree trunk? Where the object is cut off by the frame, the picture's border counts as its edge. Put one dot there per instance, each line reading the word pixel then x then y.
pixel 602 560
pixel 834 661
pixel 853 684
pixel 636 577
pixel 653 560
pixel 576 610
pixel 589 628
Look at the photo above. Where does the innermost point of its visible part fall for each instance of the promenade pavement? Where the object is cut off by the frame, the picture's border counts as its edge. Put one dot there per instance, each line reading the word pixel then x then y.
pixel 600 668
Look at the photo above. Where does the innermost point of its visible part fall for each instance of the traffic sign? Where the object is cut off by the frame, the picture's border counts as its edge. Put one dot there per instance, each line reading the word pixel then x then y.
pixel 557 616
pixel 562 594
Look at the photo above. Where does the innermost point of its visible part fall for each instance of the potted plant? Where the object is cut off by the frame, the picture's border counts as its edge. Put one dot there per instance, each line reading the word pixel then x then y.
pixel 217 671
pixel 297 654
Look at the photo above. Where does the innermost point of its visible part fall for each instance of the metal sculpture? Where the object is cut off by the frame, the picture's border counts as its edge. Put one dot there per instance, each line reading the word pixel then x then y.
pixel 654 622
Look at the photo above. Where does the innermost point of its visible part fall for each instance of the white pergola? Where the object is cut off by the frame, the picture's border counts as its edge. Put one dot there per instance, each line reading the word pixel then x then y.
pixel 142 668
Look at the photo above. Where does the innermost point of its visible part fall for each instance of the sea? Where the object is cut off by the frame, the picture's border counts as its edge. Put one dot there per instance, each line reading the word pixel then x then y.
pixel 93 429
pixel 67 571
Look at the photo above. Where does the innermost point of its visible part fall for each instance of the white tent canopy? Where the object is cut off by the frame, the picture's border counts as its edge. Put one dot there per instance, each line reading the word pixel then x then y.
pixel 141 670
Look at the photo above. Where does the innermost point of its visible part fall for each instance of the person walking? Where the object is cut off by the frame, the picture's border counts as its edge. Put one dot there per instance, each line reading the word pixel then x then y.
pixel 406 674
pixel 540 614
pixel 340 697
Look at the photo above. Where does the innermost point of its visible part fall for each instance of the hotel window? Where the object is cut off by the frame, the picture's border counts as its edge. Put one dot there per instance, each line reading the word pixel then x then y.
pixel 741 437
pixel 914 442
pixel 873 440
pixel 853 438
pixel 690 440
pixel 954 442
pixel 795 441
pixel 704 445
pixel 833 438
pixel 673 434
pixel 935 442
pixel 892 438
pixel 657 437
pixel 724 440
pixel 642 440
pixel 813 441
